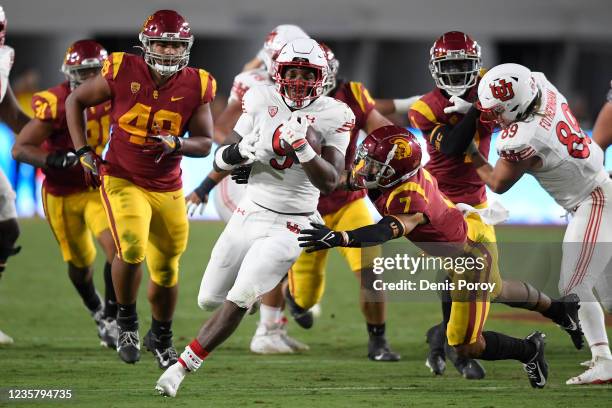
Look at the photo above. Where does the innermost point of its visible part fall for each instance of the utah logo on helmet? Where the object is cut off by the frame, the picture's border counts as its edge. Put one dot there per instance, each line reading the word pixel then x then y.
pixel 502 90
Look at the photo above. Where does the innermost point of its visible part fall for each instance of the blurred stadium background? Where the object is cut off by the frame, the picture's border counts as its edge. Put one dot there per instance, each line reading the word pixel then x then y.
pixel 385 44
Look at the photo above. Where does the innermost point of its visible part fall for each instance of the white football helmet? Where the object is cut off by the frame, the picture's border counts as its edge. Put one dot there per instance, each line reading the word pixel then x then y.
pixel 305 54
pixel 334 67
pixel 505 94
pixel 275 40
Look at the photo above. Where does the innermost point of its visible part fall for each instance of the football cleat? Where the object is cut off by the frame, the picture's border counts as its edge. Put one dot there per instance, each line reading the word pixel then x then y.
pixel 379 350
pixel 170 381
pixel 569 320
pixel 5 338
pixel 108 332
pixel 436 339
pixel 268 339
pixel 537 367
pixel 469 368
pixel 162 349
pixel 302 317
pixel 128 346
pixel 599 373
pixel 295 345
pixel 588 363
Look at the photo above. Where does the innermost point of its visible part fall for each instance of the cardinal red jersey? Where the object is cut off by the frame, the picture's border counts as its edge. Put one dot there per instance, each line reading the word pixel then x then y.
pixel 141 108
pixel 420 194
pixel 357 97
pixel 49 106
pixel 456 176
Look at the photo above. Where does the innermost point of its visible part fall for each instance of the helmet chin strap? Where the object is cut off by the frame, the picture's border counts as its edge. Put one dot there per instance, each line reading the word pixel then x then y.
pixel 293 105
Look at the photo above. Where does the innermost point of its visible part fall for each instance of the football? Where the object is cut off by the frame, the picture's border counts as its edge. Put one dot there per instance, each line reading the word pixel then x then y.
pixel 313 137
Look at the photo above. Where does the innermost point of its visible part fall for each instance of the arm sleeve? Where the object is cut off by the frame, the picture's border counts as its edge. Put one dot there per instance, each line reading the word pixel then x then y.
pixel 454 140
pixel 385 230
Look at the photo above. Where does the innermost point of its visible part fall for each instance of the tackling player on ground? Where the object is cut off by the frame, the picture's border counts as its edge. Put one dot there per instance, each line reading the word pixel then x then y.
pixel 449 122
pixel 155 99
pixel 259 244
pixel 73 209
pixel 13 116
pixel 412 206
pixel 542 137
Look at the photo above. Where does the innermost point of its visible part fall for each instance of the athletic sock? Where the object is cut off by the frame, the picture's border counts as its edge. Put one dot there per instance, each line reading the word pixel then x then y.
pixel 110 300
pixel 90 297
pixel 502 347
pixel 376 330
pixel 269 315
pixel 161 328
pixel 127 319
pixel 192 357
pixel 593 325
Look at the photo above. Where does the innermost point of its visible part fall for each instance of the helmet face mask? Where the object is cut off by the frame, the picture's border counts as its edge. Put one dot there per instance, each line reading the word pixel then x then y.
pixel 166 41
pixel 82 61
pixel 455 62
pixel 370 173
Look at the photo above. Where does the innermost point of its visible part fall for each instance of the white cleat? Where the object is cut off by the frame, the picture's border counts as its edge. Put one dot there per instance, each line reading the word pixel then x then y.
pixel 587 364
pixel 269 340
pixel 295 344
pixel 316 311
pixel 599 373
pixel 170 381
pixel 5 338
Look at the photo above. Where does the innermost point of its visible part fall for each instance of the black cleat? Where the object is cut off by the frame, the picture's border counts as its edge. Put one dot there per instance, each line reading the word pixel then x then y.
pixel 569 321
pixel 108 332
pixel 436 358
pixel 379 350
pixel 537 368
pixel 469 368
pixel 302 317
pixel 162 349
pixel 128 346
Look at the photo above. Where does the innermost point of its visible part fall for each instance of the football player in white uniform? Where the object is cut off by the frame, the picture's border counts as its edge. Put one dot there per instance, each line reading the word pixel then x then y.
pixel 12 115
pixel 271 336
pixel 259 243
pixel 541 136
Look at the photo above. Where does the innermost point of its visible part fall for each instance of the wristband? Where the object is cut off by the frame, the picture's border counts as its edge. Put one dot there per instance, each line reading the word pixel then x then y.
pixel 83 150
pixel 204 188
pixel 305 153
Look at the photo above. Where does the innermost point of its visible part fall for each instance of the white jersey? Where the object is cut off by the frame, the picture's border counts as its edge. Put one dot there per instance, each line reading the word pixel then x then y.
pixel 7 56
pixel 276 181
pixel 246 80
pixel 572 166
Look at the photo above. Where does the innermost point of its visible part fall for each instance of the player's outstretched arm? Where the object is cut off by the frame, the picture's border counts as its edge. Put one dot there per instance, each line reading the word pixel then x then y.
pixel 602 131
pixel 11 113
pixel 27 147
pixel 402 106
pixel 90 93
pixel 196 201
pixel 388 228
pixel 505 173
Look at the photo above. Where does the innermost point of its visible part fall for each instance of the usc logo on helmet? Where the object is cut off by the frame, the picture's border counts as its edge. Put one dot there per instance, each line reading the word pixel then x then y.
pixel 502 90
pixel 144 25
pixel 403 150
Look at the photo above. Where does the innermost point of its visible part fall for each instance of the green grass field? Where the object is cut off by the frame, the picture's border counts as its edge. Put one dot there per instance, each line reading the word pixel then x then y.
pixel 56 347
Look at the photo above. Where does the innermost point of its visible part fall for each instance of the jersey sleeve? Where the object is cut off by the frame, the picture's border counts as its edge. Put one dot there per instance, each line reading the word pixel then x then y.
pixel 514 143
pixel 111 66
pixel 362 98
pixel 422 116
pixel 208 86
pixel 337 125
pixel 45 106
pixel 251 102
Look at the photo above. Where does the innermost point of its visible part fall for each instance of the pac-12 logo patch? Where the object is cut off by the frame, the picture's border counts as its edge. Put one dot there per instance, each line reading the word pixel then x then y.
pixel 272 110
pixel 502 90
pixel 135 87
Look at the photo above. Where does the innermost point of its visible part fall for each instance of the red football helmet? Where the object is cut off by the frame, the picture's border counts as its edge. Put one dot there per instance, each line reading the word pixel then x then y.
pixel 334 66
pixel 83 59
pixel 455 62
pixel 2 26
pixel 166 26
pixel 387 156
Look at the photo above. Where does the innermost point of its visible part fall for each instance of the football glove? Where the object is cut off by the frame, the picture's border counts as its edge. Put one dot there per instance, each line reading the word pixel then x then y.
pixel 293 132
pixel 246 146
pixel 61 160
pixel 163 143
pixel 321 237
pixel 197 200
pixel 241 174
pixel 91 163
pixel 459 106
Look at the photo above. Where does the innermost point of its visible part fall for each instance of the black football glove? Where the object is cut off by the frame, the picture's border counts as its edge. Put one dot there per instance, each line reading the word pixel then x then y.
pixel 61 160
pixel 321 237
pixel 241 174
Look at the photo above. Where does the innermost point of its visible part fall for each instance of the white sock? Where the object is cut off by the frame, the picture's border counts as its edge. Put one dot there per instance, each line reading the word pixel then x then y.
pixel 593 325
pixel 189 360
pixel 269 315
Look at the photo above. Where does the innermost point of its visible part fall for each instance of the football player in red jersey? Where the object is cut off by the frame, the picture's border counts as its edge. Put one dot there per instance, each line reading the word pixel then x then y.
pixel 449 123
pixel 155 99
pixel 344 210
pixel 413 206
pixel 13 116
pixel 73 209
